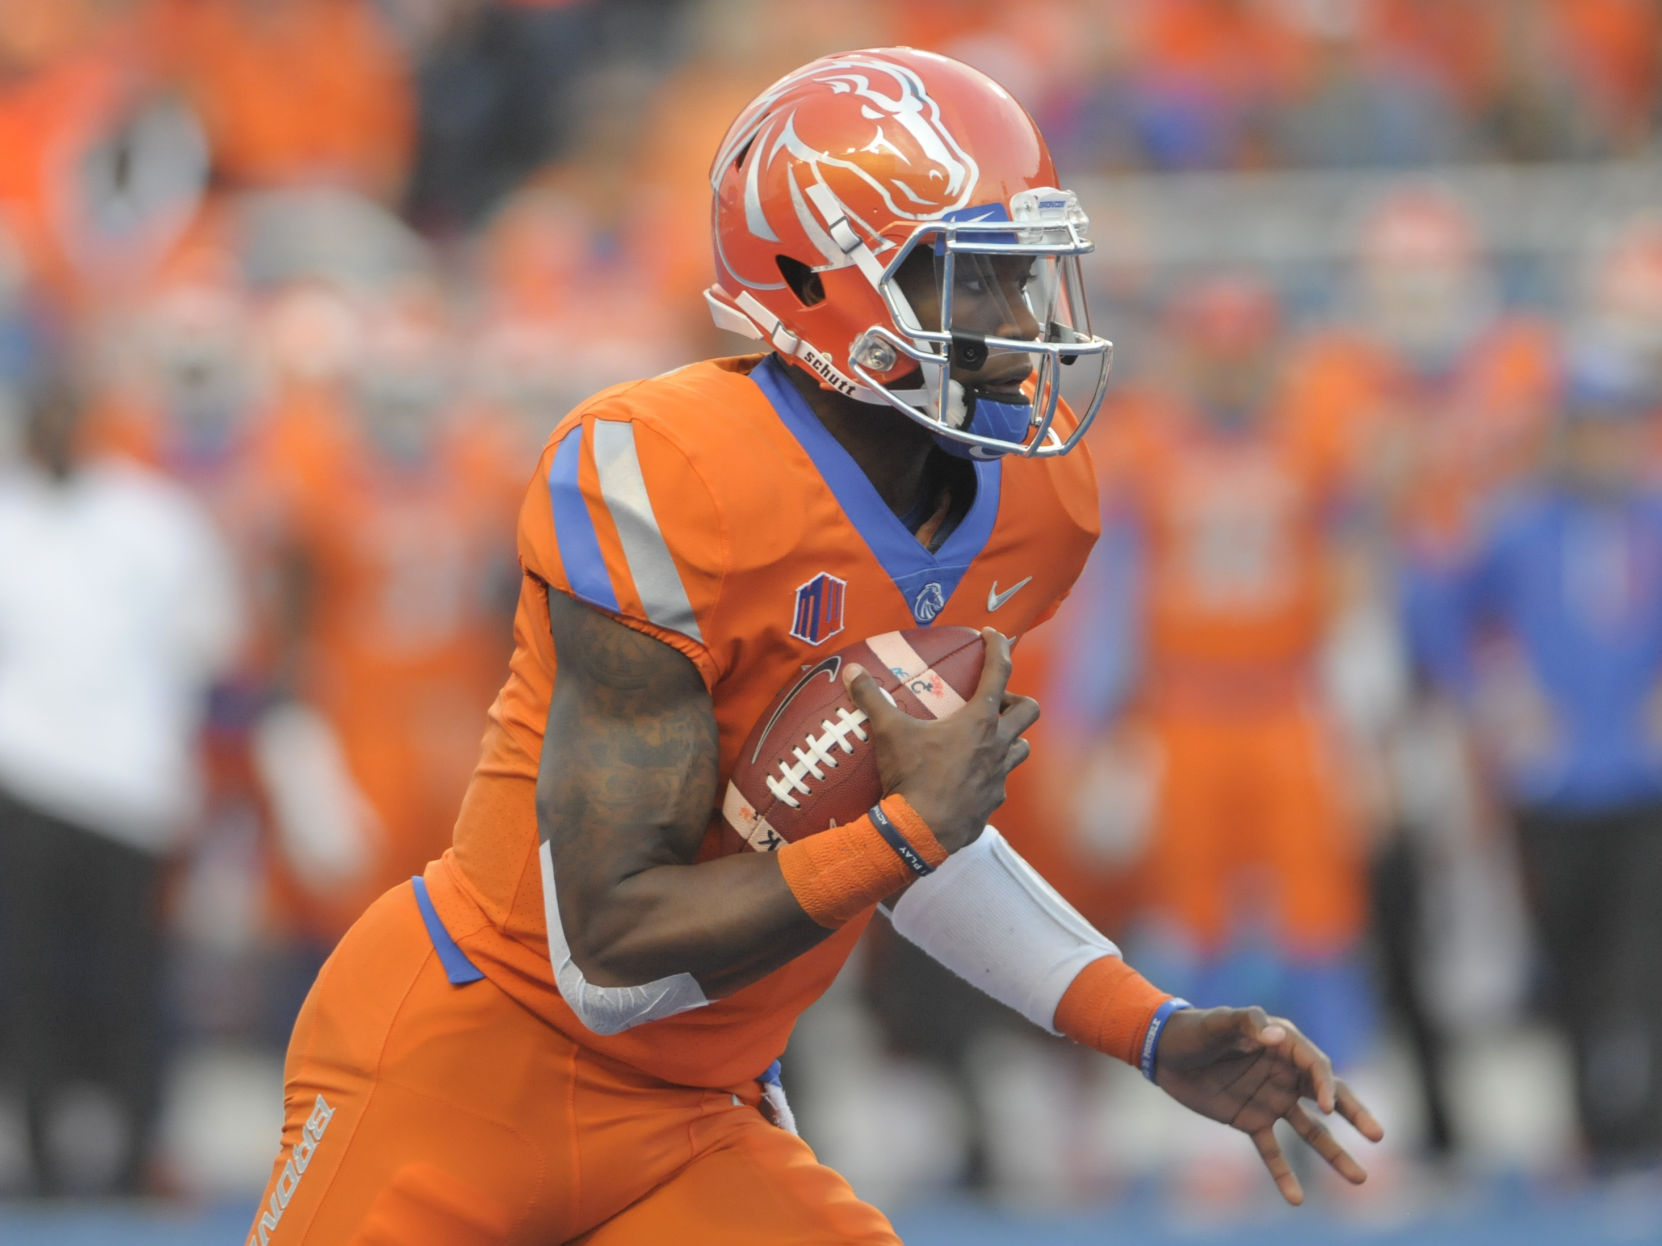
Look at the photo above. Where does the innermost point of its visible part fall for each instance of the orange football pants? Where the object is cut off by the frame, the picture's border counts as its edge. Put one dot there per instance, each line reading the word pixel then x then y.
pixel 421 1113
pixel 1252 830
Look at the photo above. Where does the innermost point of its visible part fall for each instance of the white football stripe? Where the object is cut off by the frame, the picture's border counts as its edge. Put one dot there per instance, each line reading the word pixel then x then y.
pixel 751 826
pixel 938 697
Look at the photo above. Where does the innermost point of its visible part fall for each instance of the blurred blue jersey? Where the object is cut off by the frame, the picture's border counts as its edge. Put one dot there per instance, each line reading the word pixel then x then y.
pixel 1571 588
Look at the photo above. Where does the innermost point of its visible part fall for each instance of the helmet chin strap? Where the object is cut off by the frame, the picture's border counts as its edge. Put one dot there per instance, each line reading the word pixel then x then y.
pixel 749 317
pixel 962 409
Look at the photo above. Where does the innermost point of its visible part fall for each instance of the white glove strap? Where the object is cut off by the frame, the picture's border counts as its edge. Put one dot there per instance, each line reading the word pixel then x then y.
pixel 987 915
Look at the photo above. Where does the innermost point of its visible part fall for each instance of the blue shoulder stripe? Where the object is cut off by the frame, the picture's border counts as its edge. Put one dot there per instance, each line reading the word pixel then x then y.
pixel 586 573
pixel 457 967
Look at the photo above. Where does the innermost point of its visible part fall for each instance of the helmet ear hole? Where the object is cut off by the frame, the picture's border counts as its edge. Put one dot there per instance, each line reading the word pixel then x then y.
pixel 803 281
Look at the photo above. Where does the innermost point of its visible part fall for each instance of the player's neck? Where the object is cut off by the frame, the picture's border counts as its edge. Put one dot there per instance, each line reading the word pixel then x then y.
pixel 892 451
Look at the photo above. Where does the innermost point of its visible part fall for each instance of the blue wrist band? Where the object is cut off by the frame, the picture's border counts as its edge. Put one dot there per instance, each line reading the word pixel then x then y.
pixel 1151 1040
pixel 897 841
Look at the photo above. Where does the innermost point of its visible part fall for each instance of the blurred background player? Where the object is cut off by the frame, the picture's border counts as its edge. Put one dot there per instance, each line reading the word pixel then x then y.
pixel 118 610
pixel 402 589
pixel 1432 399
pixel 1233 531
pixel 1550 637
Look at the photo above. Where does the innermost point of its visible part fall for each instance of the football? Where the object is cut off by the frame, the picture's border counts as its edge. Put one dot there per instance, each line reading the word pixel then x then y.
pixel 809 763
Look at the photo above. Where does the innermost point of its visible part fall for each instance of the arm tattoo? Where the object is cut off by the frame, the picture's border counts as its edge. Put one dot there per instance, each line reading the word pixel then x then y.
pixel 626 788
pixel 629 762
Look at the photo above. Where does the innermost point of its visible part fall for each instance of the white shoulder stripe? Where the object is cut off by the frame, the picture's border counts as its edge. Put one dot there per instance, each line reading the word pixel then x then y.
pixel 651 565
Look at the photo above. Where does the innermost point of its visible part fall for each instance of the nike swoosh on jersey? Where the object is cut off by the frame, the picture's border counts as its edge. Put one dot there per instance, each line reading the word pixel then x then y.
pixel 995 599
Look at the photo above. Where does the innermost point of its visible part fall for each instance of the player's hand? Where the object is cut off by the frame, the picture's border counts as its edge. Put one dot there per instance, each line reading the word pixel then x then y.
pixel 1249 1070
pixel 951 771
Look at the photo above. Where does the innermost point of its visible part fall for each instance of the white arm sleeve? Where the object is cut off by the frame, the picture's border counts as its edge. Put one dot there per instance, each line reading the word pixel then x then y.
pixel 987 915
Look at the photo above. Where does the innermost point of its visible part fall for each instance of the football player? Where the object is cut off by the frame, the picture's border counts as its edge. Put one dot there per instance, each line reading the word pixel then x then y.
pixel 566 1029
pixel 402 599
pixel 1241 539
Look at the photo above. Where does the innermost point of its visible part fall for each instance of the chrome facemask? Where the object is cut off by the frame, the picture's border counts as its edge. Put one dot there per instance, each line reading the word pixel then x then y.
pixel 975 250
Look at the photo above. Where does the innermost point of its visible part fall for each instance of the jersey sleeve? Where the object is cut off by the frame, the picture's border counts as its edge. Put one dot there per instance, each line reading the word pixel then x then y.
pixel 1079 495
pixel 1049 612
pixel 620 519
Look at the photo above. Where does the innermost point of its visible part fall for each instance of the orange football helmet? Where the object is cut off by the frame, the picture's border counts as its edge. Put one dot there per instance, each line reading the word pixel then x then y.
pixel 833 177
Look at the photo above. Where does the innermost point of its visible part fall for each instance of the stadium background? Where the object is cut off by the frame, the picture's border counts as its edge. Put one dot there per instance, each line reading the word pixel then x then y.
pixel 338 265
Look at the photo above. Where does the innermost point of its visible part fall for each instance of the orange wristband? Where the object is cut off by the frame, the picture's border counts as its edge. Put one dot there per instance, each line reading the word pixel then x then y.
pixel 1109 1007
pixel 838 873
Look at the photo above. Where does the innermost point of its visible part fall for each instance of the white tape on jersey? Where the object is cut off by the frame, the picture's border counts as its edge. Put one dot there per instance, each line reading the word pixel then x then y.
pixel 608 1009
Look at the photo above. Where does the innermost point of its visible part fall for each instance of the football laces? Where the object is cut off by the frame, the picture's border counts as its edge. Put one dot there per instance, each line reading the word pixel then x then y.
pixel 812 760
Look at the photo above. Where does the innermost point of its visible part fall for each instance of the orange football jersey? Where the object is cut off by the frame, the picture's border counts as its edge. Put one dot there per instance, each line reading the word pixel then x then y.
pixel 1236 530
pixel 1436 452
pixel 409 593
pixel 710 509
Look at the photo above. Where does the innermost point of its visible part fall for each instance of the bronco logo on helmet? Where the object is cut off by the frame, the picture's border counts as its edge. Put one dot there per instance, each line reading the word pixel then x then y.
pixel 885 108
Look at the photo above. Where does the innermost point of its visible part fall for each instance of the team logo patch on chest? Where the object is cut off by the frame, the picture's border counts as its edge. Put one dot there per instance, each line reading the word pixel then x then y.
pixel 819 609
pixel 930 601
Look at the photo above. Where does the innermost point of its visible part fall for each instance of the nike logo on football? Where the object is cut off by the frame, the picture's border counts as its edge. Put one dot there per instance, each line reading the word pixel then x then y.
pixel 995 599
pixel 829 668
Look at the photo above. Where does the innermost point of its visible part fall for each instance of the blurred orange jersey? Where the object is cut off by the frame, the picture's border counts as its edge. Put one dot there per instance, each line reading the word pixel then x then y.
pixel 1234 529
pixel 710 508
pixel 409 586
pixel 1249 827
pixel 1436 450
pixel 305 90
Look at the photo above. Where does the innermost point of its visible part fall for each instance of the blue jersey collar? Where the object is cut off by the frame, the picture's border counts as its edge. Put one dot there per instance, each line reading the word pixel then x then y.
pixel 925 580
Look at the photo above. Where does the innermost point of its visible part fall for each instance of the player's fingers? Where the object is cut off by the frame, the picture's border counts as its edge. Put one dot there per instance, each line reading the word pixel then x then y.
pixel 1319 1069
pixel 1252 1029
pixel 869 697
pixel 1326 1145
pixel 1020 750
pixel 1269 1150
pixel 1314 1068
pixel 1356 1112
pixel 1010 698
pixel 995 667
pixel 1017 716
